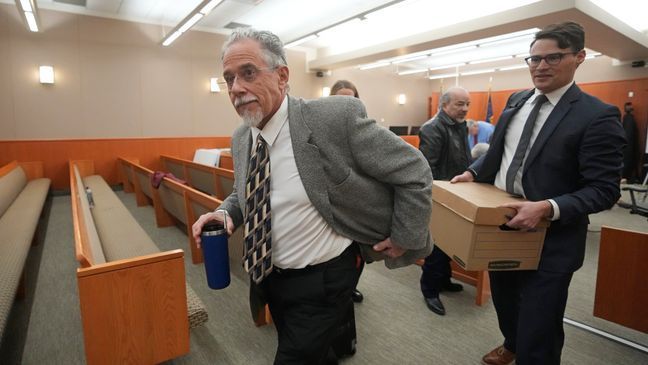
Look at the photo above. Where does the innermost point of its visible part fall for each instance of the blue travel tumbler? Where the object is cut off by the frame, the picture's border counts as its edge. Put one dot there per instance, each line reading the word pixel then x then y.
pixel 214 247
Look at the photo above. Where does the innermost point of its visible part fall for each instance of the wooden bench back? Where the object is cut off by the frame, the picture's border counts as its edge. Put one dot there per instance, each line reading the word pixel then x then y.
pixel 212 180
pixel 125 170
pixel 86 241
pixel 171 195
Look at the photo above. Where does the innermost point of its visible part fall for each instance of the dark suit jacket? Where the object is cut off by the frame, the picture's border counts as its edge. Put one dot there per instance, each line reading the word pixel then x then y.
pixel 575 160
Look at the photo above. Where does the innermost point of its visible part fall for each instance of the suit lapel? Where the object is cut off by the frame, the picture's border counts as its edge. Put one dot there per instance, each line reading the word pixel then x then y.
pixel 307 159
pixel 557 114
pixel 494 158
pixel 244 151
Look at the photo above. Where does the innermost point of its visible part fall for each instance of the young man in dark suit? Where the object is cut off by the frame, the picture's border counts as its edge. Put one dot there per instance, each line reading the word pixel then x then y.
pixel 561 149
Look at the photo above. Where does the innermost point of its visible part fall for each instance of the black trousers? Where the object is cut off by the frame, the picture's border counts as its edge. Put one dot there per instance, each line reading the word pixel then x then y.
pixel 435 273
pixel 530 306
pixel 308 305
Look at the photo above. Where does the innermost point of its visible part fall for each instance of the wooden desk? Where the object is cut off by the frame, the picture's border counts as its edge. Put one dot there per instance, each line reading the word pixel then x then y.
pixel 622 279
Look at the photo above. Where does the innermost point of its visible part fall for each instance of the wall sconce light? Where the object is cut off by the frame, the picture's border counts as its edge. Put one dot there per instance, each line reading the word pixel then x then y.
pixel 213 85
pixel 326 91
pixel 46 74
pixel 402 99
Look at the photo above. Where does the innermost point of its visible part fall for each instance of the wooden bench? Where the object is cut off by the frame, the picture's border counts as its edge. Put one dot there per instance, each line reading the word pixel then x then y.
pixel 135 304
pixel 23 192
pixel 168 201
pixel 178 204
pixel 212 180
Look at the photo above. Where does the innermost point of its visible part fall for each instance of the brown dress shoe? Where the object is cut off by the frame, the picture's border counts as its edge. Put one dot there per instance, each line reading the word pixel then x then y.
pixel 499 356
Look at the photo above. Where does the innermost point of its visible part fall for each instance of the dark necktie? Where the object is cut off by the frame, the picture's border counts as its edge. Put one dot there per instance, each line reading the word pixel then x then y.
pixel 523 145
pixel 257 256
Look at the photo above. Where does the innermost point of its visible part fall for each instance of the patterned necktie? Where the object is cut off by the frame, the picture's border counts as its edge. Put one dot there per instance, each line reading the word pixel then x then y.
pixel 257 257
pixel 525 138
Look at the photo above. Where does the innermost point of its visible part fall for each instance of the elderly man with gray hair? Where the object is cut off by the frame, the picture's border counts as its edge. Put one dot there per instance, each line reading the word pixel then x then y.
pixel 444 143
pixel 318 187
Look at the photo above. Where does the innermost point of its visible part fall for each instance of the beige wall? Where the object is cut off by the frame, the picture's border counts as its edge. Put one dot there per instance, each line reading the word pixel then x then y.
pixel 113 79
pixel 592 70
pixel 379 91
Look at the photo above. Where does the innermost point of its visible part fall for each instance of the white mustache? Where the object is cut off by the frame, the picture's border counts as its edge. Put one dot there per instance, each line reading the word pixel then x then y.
pixel 244 100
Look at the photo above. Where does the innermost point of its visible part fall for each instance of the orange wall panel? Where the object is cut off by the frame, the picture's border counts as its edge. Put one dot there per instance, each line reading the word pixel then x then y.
pixel 55 154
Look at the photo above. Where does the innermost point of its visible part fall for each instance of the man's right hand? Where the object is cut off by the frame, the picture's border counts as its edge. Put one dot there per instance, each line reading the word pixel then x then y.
pixel 196 229
pixel 465 177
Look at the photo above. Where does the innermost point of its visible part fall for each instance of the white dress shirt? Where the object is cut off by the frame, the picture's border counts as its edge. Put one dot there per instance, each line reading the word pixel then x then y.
pixel 514 132
pixel 300 236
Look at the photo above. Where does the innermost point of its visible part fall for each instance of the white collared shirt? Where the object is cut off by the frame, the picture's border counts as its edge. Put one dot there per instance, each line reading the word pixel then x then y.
pixel 514 132
pixel 300 236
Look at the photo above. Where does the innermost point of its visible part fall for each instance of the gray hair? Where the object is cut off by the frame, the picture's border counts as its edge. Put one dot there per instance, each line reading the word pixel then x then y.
pixel 479 150
pixel 444 99
pixel 470 123
pixel 447 96
pixel 273 51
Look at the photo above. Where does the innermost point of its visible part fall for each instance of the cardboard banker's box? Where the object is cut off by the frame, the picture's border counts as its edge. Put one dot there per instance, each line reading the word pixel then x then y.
pixel 467 225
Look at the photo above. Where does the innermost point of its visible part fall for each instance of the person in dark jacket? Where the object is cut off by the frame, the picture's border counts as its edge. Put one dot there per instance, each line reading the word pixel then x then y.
pixel 630 150
pixel 444 143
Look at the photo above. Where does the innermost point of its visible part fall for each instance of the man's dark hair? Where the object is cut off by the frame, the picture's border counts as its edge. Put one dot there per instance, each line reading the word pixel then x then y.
pixel 567 34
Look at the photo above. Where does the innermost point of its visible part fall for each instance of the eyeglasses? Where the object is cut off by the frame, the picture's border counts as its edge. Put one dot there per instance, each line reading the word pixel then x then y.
pixel 248 73
pixel 551 59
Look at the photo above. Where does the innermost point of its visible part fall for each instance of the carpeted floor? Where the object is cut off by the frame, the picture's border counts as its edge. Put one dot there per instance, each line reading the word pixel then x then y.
pixel 394 326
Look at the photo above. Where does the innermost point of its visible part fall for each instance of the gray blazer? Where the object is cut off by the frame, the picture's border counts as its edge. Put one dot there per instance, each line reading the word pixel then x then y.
pixel 366 182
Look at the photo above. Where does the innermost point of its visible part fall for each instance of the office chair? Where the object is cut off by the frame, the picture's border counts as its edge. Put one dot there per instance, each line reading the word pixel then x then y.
pixel 635 208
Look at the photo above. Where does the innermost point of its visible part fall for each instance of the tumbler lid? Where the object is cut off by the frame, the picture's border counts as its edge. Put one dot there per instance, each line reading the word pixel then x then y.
pixel 213 233
pixel 213 229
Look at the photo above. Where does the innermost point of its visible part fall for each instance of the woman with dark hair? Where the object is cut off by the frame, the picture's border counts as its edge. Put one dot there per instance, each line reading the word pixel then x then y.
pixel 344 87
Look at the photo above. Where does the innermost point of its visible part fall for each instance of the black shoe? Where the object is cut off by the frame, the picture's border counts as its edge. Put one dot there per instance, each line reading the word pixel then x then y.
pixel 356 296
pixel 452 287
pixel 435 305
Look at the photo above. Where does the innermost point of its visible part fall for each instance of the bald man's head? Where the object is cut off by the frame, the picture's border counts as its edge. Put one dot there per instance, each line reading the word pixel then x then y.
pixel 455 102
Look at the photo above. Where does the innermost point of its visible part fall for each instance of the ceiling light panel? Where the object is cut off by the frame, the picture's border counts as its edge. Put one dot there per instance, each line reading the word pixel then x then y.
pixel 190 23
pixel 631 12
pixel 163 11
pixel 413 17
pixel 442 76
pixel 26 5
pixel 272 16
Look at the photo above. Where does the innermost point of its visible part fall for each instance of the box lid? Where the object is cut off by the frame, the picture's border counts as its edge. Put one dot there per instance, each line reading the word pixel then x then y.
pixel 476 202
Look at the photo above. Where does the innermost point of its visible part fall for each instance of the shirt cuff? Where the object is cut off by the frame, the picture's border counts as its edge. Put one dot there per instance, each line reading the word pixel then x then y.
pixel 555 209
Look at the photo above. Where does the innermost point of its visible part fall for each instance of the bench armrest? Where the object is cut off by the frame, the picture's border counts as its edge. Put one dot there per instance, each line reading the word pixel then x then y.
pixel 129 263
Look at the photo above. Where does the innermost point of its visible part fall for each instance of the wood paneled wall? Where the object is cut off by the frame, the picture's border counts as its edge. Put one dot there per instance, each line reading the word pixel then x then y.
pixel 55 154
pixel 612 92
